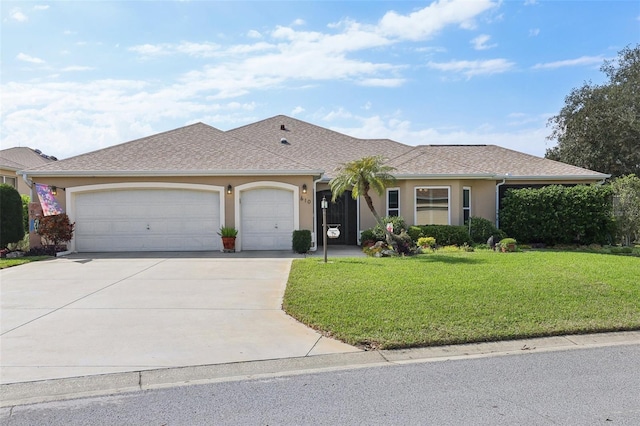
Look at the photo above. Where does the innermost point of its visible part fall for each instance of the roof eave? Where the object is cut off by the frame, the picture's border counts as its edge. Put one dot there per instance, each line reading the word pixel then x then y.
pixel 555 177
pixel 172 173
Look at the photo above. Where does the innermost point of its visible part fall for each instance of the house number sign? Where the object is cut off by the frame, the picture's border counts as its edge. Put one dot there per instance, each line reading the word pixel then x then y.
pixel 333 231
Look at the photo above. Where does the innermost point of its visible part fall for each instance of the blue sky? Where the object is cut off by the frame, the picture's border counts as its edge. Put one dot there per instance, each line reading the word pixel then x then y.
pixel 83 75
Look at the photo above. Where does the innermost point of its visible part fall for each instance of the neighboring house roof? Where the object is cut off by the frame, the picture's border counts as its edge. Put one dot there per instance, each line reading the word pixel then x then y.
pixel 197 149
pixel 489 161
pixel 19 158
pixel 321 147
pixel 284 145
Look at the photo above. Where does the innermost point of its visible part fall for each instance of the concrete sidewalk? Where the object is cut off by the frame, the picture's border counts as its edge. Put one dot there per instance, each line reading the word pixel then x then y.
pixel 108 313
pixel 107 384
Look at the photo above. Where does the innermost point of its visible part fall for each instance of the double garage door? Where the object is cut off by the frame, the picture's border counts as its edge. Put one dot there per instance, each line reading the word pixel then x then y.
pixel 171 219
pixel 147 220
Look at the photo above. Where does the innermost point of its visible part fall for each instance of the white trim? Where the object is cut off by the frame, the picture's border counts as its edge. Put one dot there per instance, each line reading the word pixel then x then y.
pixel 295 193
pixel 172 173
pixel 72 192
pixel 415 204
pixel 387 200
pixel 466 188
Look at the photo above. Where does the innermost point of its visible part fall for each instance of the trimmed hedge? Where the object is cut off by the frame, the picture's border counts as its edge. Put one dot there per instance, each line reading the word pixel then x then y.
pixel 301 240
pixel 482 229
pixel 11 223
pixel 445 235
pixel 558 215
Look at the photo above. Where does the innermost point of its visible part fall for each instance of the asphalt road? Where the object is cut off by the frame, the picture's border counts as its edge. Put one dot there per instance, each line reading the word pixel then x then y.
pixel 577 387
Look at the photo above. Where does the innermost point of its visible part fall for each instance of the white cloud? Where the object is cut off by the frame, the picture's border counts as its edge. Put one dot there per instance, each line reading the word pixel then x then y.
pixel 17 15
pixel 298 22
pixel 41 7
pixel 254 34
pixel 534 32
pixel 197 50
pixel 474 68
pixel 581 61
pixel 26 58
pixel 480 42
pixel 382 82
pixel 530 2
pixel 72 68
pixel 297 110
pixel 426 22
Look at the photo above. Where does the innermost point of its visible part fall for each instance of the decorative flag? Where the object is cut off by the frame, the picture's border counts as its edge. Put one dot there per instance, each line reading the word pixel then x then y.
pixel 50 206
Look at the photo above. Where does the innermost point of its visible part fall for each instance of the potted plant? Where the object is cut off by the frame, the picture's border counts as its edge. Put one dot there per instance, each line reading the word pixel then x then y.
pixel 228 234
pixel 508 244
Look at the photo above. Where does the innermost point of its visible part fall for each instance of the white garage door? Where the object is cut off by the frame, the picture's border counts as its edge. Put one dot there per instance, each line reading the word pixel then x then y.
pixel 266 216
pixel 147 220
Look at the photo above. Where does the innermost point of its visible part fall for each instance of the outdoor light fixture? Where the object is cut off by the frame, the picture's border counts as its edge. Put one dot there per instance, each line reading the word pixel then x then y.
pixel 229 189
pixel 54 190
pixel 304 188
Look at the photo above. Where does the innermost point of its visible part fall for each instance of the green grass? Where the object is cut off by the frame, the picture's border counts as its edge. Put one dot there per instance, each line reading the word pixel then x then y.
pixel 450 298
pixel 6 263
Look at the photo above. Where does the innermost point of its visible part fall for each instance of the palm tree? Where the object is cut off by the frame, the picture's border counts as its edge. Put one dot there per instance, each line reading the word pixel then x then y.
pixel 360 176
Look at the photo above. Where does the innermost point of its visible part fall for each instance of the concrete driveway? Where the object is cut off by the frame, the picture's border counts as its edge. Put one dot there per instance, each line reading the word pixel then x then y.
pixel 84 315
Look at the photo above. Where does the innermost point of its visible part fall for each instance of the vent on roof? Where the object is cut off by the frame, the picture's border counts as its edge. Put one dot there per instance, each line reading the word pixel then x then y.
pixel 284 141
pixel 282 127
pixel 37 151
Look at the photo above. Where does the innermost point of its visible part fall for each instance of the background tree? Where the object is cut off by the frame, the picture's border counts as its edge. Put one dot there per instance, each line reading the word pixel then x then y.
pixel 599 126
pixel 11 224
pixel 361 176
pixel 626 207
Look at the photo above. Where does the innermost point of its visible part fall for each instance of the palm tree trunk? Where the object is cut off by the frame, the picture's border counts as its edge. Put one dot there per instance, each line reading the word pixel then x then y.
pixel 390 237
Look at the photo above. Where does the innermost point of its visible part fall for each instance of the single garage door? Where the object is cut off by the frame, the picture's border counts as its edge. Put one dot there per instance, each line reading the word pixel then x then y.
pixel 147 220
pixel 266 217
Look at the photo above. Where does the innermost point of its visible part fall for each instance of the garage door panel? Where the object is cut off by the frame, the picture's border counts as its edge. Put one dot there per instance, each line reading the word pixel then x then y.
pixel 266 219
pixel 147 220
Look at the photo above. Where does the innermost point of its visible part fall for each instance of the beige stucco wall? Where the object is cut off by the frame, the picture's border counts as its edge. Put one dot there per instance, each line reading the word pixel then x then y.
pixel 305 200
pixel 21 186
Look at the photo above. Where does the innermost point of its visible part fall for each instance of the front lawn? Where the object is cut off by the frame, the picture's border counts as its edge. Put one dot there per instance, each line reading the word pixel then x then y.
pixel 449 298
pixel 6 263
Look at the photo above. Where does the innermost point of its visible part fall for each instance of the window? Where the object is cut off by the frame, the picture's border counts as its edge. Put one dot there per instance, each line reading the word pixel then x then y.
pixel 432 205
pixel 9 180
pixel 393 202
pixel 466 204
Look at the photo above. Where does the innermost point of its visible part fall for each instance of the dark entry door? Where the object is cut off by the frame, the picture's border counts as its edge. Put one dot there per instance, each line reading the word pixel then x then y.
pixel 343 212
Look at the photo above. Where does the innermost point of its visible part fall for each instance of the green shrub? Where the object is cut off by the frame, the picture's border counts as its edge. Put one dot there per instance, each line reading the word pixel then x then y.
pixel 11 223
pixel 445 235
pixel 426 242
pixel 301 240
pixel 25 211
pixel 398 225
pixel 558 215
pixel 482 229
pixel 228 232
pixel 367 236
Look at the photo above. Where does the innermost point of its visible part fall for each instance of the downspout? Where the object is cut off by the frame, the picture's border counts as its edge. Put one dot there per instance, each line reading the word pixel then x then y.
pixel 498 201
pixel 315 212
pixel 29 184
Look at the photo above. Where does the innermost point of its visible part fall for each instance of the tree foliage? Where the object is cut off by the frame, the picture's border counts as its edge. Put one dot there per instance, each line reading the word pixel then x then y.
pixel 599 126
pixel 361 176
pixel 626 203
pixel 11 223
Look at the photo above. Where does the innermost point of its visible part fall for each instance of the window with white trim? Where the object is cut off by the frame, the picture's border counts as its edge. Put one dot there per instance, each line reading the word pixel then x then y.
pixel 466 204
pixel 432 205
pixel 9 181
pixel 393 202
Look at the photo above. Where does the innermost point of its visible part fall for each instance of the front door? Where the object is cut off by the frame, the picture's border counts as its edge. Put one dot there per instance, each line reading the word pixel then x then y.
pixel 343 212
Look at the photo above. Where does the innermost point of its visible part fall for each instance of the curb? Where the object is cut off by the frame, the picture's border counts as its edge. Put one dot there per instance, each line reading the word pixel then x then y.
pixel 12 394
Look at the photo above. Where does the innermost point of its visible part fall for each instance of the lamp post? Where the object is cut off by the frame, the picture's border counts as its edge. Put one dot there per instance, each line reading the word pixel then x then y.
pixel 324 205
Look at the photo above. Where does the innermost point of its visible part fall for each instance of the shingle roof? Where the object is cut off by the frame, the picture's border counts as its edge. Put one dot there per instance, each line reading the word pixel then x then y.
pixel 321 147
pixel 285 145
pixel 193 149
pixel 483 160
pixel 18 158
